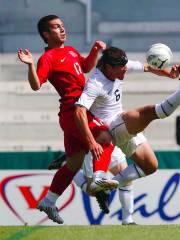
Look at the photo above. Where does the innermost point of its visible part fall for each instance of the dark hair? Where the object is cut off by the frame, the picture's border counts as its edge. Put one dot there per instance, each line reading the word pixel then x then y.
pixel 43 25
pixel 112 56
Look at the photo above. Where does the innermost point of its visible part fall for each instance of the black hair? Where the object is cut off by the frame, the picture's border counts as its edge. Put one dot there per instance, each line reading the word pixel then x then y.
pixel 43 25
pixel 113 56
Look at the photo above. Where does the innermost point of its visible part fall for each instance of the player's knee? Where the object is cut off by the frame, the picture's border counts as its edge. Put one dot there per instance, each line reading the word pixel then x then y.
pixel 152 168
pixel 75 162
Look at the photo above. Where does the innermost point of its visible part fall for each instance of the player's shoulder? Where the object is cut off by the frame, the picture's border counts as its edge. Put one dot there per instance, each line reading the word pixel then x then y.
pixel 47 53
pixel 71 49
pixel 96 77
pixel 95 81
pixel 68 47
pixel 42 58
pixel 45 58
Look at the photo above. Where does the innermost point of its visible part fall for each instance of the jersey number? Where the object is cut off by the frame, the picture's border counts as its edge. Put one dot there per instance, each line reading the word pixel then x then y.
pixel 77 68
pixel 117 94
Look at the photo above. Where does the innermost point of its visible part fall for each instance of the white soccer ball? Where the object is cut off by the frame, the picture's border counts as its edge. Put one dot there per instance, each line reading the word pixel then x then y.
pixel 159 56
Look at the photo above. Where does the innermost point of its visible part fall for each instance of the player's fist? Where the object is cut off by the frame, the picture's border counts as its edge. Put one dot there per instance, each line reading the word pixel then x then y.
pixel 174 71
pixel 25 56
pixel 100 45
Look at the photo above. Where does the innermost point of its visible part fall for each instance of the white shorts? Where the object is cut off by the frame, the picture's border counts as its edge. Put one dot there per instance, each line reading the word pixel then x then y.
pixel 117 157
pixel 127 142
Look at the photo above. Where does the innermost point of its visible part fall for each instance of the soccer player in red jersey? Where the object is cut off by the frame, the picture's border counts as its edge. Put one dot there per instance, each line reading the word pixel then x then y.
pixel 64 67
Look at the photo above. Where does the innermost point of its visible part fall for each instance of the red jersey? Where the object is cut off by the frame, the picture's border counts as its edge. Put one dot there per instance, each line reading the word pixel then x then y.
pixel 63 68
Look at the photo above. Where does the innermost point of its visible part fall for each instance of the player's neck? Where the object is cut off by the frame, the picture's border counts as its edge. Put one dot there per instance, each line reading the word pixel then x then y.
pixel 55 45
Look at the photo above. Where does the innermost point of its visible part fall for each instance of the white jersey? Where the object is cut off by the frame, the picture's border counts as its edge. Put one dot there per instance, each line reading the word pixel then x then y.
pixel 102 97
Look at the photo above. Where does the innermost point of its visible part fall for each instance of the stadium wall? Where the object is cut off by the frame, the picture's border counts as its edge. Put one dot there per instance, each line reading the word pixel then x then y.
pixel 40 160
pixel 156 197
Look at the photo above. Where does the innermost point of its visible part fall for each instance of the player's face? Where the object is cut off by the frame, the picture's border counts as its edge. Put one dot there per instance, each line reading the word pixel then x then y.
pixel 57 33
pixel 120 71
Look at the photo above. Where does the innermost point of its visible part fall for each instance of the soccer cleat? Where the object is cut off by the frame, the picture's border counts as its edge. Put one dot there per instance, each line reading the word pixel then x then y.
pixel 103 201
pixel 58 162
pixel 51 211
pixel 104 184
pixel 131 223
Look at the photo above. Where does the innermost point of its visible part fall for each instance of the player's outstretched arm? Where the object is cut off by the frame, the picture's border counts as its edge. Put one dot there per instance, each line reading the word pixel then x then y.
pixel 171 73
pixel 26 57
pixel 91 59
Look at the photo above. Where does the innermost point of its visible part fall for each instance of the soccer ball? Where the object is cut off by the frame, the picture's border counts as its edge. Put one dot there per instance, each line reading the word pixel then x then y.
pixel 159 56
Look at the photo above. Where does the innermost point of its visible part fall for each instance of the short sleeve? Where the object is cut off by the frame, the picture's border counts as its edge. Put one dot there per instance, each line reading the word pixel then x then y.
pixel 135 66
pixel 89 94
pixel 43 70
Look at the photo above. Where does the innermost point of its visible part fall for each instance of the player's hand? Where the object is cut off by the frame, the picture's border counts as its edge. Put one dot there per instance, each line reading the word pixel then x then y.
pixel 96 150
pixel 100 45
pixel 25 56
pixel 174 73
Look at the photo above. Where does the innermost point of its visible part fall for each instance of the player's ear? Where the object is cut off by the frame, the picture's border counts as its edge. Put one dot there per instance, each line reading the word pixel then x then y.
pixel 46 35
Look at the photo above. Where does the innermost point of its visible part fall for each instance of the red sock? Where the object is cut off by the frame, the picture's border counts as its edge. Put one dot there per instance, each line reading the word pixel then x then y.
pixel 61 180
pixel 102 163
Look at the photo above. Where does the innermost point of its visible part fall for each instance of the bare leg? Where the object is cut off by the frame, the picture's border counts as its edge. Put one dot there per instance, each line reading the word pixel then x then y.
pixel 145 158
pixel 138 119
pixel 75 162
pixel 118 168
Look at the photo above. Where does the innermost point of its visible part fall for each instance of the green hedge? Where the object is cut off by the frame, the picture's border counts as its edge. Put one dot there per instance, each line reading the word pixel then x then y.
pixel 40 160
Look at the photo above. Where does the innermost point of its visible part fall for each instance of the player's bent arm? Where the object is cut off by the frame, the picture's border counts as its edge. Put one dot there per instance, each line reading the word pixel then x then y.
pixel 26 57
pixel 172 73
pixel 91 59
pixel 80 116
pixel 33 77
pixel 81 120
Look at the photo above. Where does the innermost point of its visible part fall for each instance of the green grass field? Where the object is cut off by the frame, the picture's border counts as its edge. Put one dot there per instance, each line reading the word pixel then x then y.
pixel 106 232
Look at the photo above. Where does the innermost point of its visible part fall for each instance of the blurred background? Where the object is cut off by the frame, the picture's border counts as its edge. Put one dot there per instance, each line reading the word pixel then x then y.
pixel 28 120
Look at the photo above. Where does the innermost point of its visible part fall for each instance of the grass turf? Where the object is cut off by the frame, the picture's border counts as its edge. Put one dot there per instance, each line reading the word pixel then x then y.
pixel 104 232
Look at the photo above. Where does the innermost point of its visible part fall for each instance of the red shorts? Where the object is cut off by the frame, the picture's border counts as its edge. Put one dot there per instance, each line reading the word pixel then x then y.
pixel 73 140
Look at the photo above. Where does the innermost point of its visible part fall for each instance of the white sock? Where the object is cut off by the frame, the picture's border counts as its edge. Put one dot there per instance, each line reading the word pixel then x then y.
pixel 129 174
pixel 168 106
pixel 127 203
pixel 51 197
pixel 80 180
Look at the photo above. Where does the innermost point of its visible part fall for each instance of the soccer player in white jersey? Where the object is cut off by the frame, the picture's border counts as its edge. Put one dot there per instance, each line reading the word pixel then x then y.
pixel 118 162
pixel 102 97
